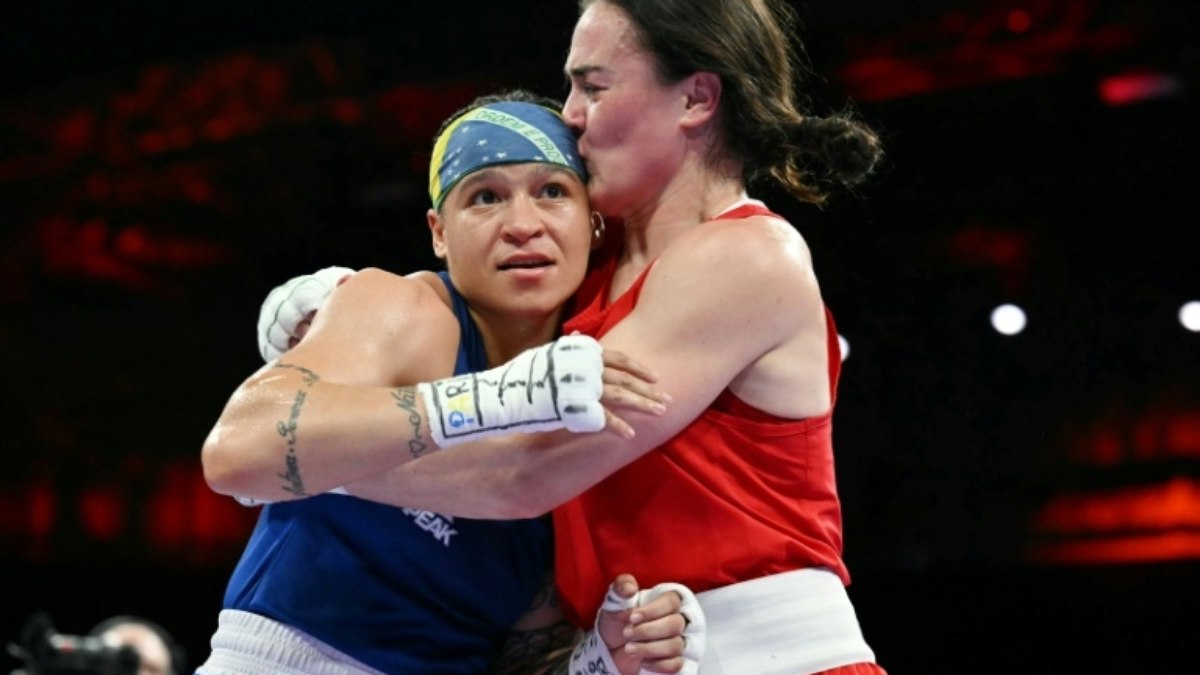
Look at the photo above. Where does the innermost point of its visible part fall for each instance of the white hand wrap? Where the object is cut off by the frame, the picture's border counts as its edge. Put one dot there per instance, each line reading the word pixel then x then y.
pixel 693 632
pixel 592 657
pixel 287 305
pixel 555 386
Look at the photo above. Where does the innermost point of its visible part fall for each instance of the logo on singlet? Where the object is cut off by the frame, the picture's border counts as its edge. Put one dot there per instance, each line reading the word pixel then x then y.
pixel 438 526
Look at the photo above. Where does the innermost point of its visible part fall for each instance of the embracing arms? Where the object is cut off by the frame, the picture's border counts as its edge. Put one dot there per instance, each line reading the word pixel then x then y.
pixel 326 412
pixel 338 407
pixel 705 320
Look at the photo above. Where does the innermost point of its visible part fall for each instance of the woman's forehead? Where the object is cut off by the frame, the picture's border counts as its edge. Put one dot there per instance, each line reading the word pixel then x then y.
pixel 603 34
pixel 516 173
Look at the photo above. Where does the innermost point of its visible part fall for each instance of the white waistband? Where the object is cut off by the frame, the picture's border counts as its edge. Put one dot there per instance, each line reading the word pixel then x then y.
pixel 790 623
pixel 249 644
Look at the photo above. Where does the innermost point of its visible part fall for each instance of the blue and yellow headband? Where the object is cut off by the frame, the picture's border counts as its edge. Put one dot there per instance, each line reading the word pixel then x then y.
pixel 509 132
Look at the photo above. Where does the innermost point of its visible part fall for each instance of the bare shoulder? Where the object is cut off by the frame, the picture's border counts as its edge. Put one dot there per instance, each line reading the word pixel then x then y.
pixel 390 300
pixel 740 297
pixel 372 280
pixel 380 319
pixel 743 293
pixel 434 282
pixel 757 254
pixel 373 290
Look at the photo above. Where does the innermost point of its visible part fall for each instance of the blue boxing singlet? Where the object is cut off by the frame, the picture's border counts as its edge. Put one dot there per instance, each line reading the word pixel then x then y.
pixel 400 590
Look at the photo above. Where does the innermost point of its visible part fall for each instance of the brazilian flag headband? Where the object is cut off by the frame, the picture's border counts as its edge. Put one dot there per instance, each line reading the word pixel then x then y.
pixel 510 132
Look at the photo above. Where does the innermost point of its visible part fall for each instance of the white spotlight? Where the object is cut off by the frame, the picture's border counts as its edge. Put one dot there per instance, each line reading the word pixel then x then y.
pixel 1008 319
pixel 844 345
pixel 1189 315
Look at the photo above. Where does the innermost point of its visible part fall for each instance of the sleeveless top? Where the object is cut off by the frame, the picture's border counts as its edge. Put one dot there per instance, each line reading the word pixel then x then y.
pixel 400 590
pixel 736 495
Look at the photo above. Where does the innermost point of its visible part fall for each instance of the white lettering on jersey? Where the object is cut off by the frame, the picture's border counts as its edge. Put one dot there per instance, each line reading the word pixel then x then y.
pixel 439 526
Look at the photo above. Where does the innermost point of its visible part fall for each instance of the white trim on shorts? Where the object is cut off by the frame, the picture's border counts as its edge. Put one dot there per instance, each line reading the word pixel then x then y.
pixel 249 644
pixel 787 624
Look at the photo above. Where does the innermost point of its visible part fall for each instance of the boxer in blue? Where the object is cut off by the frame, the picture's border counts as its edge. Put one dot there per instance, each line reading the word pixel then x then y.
pixel 333 583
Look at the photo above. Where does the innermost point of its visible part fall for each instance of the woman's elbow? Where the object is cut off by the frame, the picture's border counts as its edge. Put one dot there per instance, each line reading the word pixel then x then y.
pixel 225 470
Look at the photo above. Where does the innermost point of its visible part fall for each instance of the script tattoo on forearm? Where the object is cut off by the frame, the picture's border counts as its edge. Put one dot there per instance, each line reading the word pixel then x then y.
pixel 406 400
pixel 293 482
pixel 309 376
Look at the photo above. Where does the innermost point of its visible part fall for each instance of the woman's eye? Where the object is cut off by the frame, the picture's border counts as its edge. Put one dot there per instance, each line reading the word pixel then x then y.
pixel 483 197
pixel 584 88
pixel 554 191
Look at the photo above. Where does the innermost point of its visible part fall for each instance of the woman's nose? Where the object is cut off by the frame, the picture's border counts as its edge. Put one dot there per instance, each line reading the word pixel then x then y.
pixel 523 220
pixel 572 112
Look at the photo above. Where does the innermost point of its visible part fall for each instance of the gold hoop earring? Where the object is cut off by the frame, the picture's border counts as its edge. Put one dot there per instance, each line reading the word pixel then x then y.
pixel 597 221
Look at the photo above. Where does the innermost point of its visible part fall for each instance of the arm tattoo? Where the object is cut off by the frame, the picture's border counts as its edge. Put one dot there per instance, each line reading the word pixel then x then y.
pixel 547 595
pixel 294 483
pixel 309 376
pixel 543 650
pixel 406 399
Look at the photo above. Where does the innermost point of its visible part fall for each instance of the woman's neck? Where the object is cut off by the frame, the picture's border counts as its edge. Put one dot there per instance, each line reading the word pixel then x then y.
pixel 694 196
pixel 676 213
pixel 506 336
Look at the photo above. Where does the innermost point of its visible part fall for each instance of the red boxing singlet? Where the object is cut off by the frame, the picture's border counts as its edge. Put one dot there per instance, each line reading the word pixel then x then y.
pixel 736 495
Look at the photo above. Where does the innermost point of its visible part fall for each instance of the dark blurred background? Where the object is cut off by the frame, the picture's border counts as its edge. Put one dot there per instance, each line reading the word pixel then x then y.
pixel 1025 502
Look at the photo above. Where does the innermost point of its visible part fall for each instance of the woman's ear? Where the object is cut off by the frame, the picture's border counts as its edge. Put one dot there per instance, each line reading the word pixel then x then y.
pixel 596 221
pixel 438 230
pixel 703 94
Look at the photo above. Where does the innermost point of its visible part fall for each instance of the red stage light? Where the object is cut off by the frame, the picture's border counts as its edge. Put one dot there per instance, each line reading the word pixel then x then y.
pixel 1129 88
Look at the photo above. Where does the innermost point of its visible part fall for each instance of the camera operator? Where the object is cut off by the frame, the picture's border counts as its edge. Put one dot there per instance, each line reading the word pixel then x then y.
pixel 120 645
pixel 157 652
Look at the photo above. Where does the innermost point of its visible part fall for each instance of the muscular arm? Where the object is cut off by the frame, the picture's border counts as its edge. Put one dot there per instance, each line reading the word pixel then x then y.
pixel 705 319
pixel 329 411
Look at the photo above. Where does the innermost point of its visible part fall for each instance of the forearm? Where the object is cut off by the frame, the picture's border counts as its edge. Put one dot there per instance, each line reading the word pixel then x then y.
pixel 526 475
pixel 286 434
pixel 513 476
pixel 326 435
